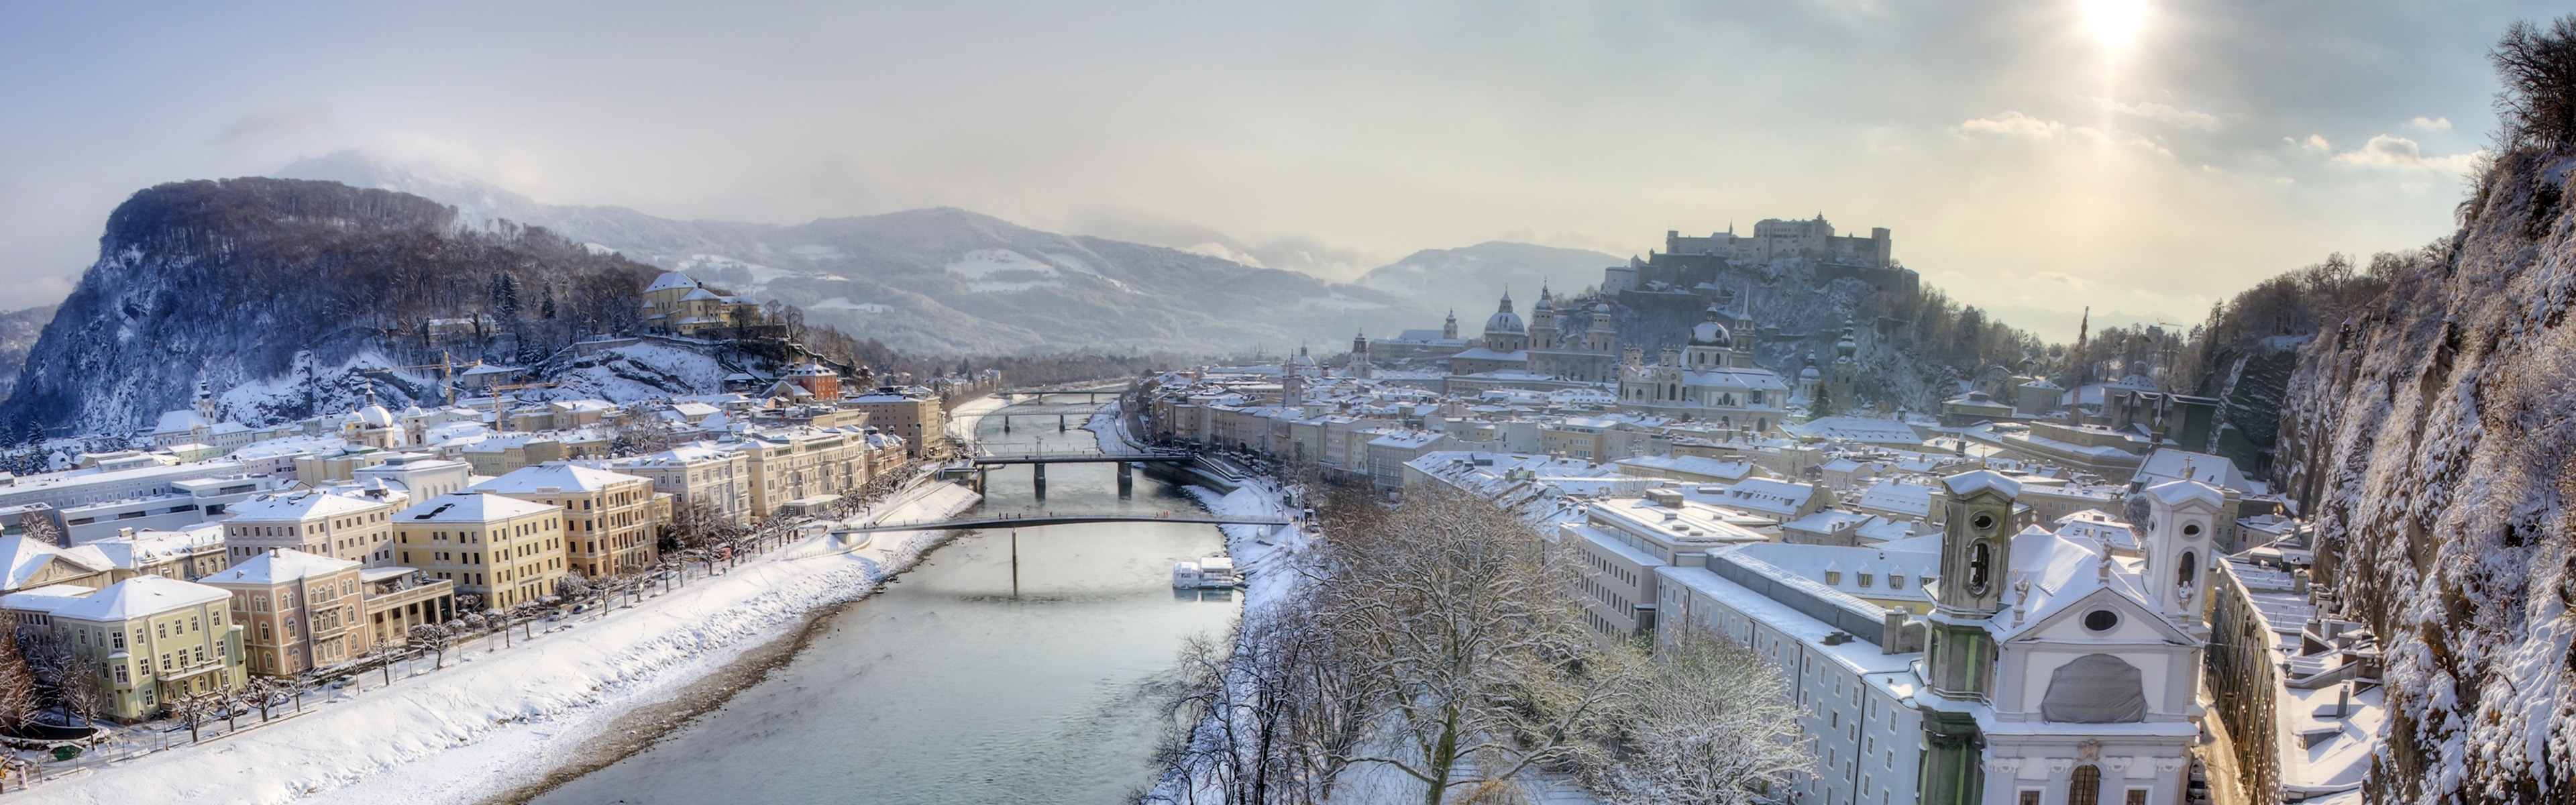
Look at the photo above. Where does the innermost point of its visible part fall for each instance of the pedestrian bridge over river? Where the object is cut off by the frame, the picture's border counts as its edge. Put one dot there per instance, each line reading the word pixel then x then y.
pixel 1030 520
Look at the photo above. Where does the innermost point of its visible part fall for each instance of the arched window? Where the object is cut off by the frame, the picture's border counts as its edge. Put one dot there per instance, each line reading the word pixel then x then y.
pixel 2095 689
pixel 2084 787
pixel 2186 572
pixel 1977 561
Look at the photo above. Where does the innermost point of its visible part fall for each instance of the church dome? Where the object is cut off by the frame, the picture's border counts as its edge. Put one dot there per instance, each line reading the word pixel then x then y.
pixel 375 416
pixel 1711 334
pixel 1505 323
pixel 1809 373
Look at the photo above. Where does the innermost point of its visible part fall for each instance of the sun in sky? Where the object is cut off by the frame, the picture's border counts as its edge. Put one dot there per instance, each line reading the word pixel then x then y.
pixel 2115 23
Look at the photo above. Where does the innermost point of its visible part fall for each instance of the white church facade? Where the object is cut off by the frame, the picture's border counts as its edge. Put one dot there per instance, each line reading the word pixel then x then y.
pixel 2051 669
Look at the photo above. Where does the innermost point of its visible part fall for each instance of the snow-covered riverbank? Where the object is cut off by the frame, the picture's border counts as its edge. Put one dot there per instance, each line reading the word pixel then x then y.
pixel 495 721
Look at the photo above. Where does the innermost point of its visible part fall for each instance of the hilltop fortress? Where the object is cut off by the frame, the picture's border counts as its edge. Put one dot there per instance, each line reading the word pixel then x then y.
pixel 1693 264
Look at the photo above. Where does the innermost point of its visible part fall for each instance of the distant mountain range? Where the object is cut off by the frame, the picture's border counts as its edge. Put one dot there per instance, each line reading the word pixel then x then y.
pixel 946 281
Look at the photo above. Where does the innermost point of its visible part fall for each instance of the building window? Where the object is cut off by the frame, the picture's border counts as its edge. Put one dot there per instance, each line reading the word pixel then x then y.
pixel 2137 796
pixel 122 675
pixel 2085 786
pixel 1865 579
pixel 2030 796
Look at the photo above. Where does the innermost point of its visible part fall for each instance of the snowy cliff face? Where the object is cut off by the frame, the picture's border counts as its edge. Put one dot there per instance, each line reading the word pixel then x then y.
pixel 946 280
pixel 2434 437
pixel 288 286
pixel 18 331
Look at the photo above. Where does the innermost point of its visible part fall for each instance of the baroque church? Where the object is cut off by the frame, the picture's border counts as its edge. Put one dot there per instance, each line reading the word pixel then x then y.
pixel 1711 378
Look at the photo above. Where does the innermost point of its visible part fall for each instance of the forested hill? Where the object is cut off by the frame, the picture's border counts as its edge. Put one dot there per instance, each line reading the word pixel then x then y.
pixel 245 281
pixel 2434 439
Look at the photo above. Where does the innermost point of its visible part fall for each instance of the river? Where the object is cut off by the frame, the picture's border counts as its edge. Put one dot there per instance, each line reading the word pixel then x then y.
pixel 949 686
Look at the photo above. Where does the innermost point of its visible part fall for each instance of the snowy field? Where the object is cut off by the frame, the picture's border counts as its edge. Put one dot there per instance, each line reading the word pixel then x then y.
pixel 493 721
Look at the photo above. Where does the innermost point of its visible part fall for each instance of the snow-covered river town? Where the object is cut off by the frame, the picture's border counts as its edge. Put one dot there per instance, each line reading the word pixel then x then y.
pixel 1856 402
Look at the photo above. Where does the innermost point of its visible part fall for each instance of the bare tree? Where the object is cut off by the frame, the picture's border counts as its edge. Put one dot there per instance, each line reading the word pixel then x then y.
pixel 1703 720
pixel 1456 617
pixel 642 433
pixel 195 709
pixel 2538 69
pixel 436 637
pixel 18 699
pixel 265 692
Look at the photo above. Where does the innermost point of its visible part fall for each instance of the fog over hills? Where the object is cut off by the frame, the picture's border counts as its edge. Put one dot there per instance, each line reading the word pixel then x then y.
pixel 944 280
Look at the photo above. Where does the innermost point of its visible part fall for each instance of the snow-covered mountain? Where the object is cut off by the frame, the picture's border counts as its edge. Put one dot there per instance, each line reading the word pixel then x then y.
pixel 944 280
pixel 2431 438
pixel 18 332
pixel 1469 278
pixel 276 293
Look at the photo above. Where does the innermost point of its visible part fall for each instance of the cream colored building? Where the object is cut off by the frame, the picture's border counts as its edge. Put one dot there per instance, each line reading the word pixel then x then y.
pixel 611 521
pixel 508 550
pixel 153 639
pixel 697 473
pixel 798 463
pixel 356 527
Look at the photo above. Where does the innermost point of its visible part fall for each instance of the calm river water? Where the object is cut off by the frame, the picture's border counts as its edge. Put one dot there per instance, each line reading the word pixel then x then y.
pixel 947 687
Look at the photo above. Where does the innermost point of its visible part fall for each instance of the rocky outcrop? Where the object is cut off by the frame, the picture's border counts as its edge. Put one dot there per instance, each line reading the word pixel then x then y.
pixel 285 286
pixel 2434 439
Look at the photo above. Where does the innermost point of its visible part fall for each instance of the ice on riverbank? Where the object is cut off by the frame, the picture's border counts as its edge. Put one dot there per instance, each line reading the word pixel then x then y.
pixel 493 721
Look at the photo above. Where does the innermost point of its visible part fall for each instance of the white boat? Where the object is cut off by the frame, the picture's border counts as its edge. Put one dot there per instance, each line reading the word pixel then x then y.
pixel 1215 572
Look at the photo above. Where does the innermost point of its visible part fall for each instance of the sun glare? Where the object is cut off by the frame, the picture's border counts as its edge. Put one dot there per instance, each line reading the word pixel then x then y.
pixel 2115 22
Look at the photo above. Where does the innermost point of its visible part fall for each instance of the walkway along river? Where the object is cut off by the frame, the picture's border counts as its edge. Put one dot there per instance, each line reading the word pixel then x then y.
pixel 947 688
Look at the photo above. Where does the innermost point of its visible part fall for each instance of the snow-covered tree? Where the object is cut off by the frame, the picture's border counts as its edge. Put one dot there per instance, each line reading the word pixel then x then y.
pixel 1702 720
pixel 436 638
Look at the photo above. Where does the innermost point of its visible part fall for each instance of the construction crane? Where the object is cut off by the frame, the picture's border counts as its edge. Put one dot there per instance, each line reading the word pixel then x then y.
pixel 446 367
pixel 496 396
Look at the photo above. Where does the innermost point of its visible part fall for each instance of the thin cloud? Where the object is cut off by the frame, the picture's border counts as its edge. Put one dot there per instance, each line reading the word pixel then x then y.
pixel 2161 113
pixel 272 125
pixel 2388 153
pixel 2431 123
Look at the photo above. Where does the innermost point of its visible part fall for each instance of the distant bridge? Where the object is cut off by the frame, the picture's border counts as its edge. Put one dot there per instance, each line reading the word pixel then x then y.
pixel 1031 520
pixel 1085 457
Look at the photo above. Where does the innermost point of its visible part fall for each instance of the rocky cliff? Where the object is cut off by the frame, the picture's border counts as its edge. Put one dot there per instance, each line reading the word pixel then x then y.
pixel 2433 437
pixel 279 289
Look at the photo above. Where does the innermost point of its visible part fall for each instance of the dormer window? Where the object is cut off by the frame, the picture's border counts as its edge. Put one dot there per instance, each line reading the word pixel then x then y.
pixel 1865 579
pixel 1833 577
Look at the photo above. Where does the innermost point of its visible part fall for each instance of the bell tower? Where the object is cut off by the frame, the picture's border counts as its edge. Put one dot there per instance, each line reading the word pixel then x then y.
pixel 2179 539
pixel 1976 543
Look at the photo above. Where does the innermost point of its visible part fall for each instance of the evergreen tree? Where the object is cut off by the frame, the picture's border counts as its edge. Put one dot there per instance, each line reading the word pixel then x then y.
pixel 1823 405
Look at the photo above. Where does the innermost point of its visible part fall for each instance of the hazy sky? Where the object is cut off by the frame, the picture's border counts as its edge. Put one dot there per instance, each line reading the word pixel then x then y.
pixel 2030 160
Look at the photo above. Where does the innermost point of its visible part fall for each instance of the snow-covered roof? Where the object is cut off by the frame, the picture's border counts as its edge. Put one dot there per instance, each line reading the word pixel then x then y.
pixel 1973 481
pixel 22 558
pixel 138 597
pixel 469 507
pixel 300 506
pixel 278 567
pixel 2168 464
pixel 670 280
pixel 180 421
pixel 147 547
pixel 555 476
pixel 1483 354
pixel 2178 493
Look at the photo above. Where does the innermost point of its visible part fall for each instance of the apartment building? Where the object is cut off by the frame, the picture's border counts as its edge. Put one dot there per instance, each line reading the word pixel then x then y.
pixel 152 639
pixel 611 522
pixel 354 526
pixel 508 550
pixel 915 415
pixel 298 611
pixel 697 474
pixel 797 463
